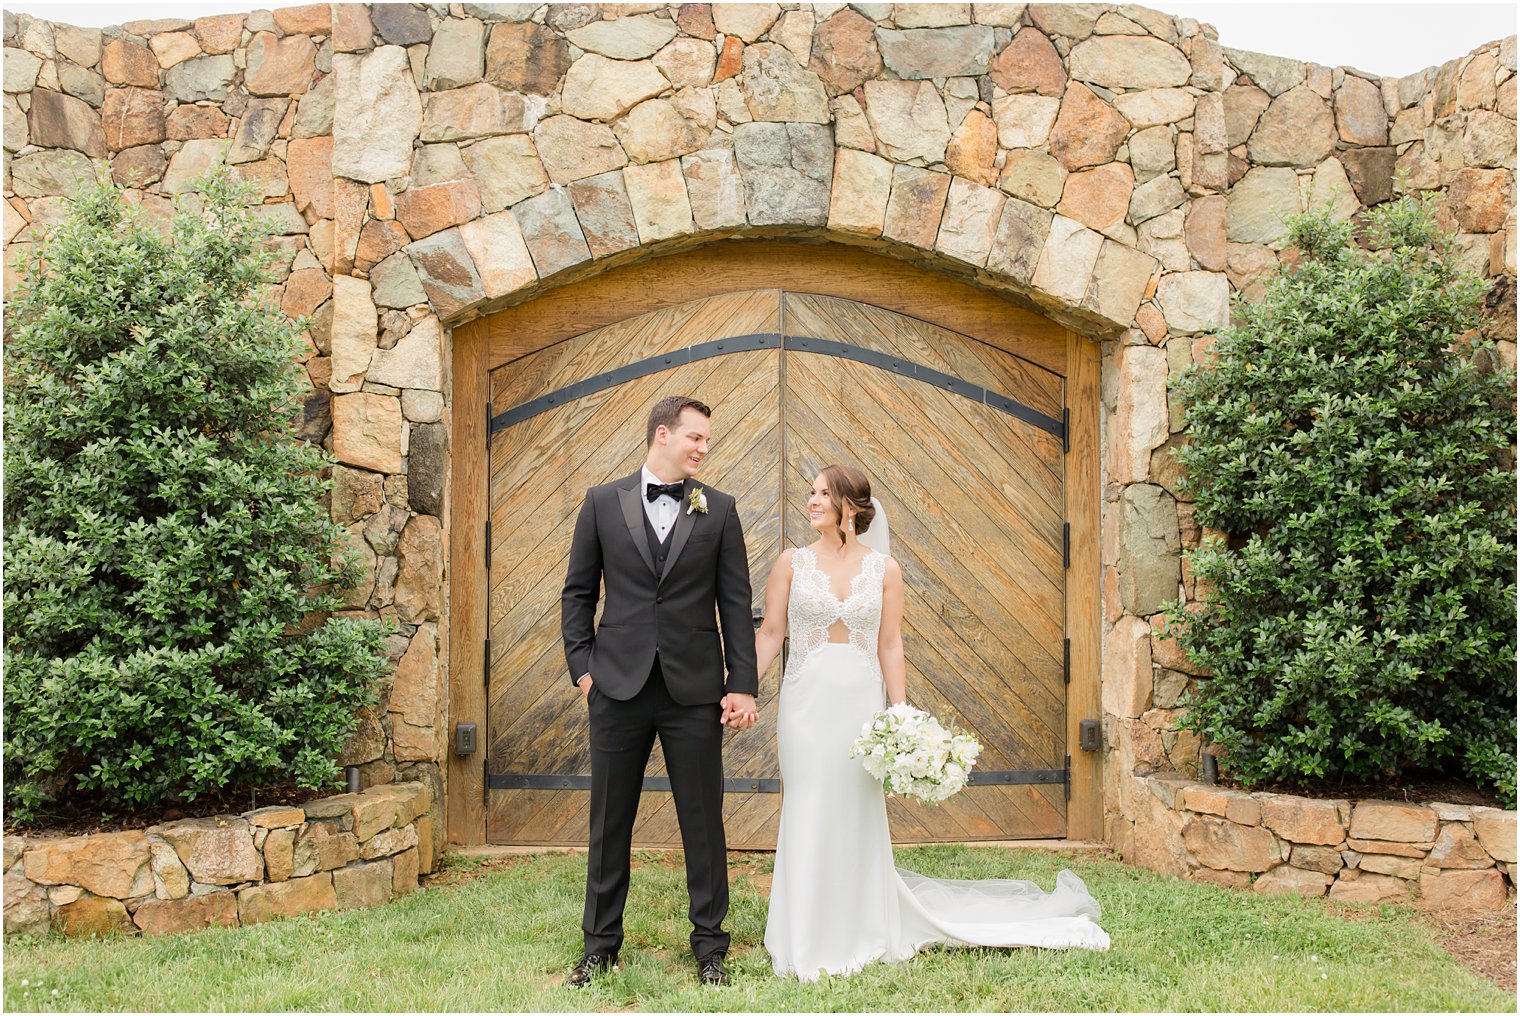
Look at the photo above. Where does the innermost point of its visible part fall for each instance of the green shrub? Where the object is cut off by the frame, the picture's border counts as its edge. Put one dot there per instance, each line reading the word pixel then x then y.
pixel 168 560
pixel 1360 622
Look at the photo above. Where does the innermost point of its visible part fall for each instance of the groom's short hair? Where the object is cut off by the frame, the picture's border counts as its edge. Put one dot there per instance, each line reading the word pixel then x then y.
pixel 667 413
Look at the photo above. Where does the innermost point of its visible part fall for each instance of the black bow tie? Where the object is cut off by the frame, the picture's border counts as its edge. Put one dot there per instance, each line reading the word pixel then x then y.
pixel 653 491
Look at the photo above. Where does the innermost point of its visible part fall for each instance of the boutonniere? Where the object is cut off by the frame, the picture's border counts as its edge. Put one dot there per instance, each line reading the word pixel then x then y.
pixel 696 501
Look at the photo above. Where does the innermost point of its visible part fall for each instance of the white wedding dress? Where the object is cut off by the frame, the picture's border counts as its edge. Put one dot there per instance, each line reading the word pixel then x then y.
pixel 838 902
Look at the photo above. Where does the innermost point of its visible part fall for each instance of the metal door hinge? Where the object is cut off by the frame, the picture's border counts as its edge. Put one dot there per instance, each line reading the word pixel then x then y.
pixel 485 666
pixel 1066 545
pixel 1066 660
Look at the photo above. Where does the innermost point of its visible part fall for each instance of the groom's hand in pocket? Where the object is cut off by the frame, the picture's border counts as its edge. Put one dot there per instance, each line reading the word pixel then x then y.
pixel 584 684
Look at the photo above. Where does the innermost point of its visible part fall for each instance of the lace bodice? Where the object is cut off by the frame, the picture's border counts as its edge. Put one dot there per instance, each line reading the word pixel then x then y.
pixel 812 608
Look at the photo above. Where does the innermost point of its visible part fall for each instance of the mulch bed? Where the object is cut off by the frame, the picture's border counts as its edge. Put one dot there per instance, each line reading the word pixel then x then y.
pixel 1482 941
pixel 1445 790
pixel 224 802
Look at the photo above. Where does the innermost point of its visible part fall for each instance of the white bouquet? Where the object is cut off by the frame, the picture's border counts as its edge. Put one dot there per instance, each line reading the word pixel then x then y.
pixel 914 754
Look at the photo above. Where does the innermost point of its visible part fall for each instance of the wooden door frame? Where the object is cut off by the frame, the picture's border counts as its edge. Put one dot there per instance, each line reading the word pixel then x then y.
pixel 484 344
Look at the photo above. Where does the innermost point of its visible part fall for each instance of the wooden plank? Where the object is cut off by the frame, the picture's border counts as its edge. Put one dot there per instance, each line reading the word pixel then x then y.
pixel 829 270
pixel 464 798
pixel 1084 587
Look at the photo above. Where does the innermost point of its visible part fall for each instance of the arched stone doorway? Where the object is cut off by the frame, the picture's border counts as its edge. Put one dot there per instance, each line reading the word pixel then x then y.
pixel 977 419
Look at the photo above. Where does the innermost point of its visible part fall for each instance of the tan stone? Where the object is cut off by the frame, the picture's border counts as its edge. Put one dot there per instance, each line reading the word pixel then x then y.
pixel 416 361
pixel 573 150
pixel 279 854
pixel 1228 879
pixel 661 129
pixel 1129 61
pixel 1087 131
pixel 353 30
pixel 1066 264
pixel 1205 232
pixel 908 119
pixel 1243 809
pixel 1127 672
pixel 973 149
pixel 308 19
pixel 696 20
pixel 27 909
pixel 1034 176
pixel 62 121
pixel 715 188
pixel 174 47
pixel 305 290
pixel 687 62
pixel 354 333
pixel 862 185
pixel 1496 832
pixel 596 88
pixel 94 915
pixel 285 899
pixel 657 194
pixel 1325 859
pixel 730 62
pixel 425 856
pixel 1390 847
pixel 1479 198
pixel 1369 889
pixel 496 244
pixel 1303 820
pixel 106 864
pixel 845 54
pixel 970 219
pixel 363 885
pixel 526 57
pixel 322 846
pixel 1098 198
pixel 280 66
pixel 414 693
pixel 1455 847
pixel 217 851
pixel 915 205
pixel 1158 838
pixel 1390 820
pixel 404 870
pixel 190 123
pixel 1024 121
pixel 1359 113
pixel 276 816
pixel 1156 106
pixel 220 33
pixel 1464 891
pixel 1297 129
pixel 428 210
pixel 1387 864
pixel 1029 64
pixel 378 240
pixel 418 586
pixel 309 162
pixel 1293 881
pixel 375 810
pixel 389 841
pixel 1217 843
pixel 367 431
pixel 748 21
pixel 129 63
pixel 168 917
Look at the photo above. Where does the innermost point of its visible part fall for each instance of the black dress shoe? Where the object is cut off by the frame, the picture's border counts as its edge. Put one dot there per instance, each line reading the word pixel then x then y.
pixel 712 971
pixel 590 966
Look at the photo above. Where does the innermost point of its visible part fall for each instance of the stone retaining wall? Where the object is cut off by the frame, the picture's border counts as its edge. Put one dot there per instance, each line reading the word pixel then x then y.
pixel 1451 856
pixel 352 850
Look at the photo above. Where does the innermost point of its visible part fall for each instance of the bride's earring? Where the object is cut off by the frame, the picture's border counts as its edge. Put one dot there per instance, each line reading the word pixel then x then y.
pixel 849 525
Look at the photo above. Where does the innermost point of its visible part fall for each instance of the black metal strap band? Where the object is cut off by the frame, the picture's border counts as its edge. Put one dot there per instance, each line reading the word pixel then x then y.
pixel 793 343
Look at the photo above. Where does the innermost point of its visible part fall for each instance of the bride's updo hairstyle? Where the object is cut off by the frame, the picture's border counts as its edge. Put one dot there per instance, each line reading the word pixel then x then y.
pixel 848 484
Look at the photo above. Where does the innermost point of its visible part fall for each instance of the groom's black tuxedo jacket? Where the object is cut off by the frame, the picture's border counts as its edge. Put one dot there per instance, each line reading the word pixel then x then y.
pixel 704 585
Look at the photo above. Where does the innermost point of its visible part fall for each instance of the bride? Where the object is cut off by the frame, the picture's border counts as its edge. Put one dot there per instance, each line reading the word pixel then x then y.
pixel 837 900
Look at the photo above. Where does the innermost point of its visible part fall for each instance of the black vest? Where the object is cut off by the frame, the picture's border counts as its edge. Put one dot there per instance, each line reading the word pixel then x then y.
pixel 657 549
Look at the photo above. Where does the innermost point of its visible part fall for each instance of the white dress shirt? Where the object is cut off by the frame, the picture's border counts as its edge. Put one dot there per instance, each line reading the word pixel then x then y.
pixel 662 511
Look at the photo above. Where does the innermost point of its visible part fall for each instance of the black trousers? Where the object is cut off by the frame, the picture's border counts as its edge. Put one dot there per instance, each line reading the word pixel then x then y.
pixel 622 737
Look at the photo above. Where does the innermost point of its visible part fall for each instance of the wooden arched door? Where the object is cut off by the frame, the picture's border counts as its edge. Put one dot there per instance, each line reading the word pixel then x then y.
pixel 965 445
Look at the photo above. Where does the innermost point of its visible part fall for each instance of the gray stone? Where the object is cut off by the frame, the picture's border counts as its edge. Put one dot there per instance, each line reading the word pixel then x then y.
pixel 401 24
pixel 1119 281
pixel 1243 106
pixel 1024 121
pixel 572 149
pixel 192 161
pixel 447 271
pixel 203 78
pixel 396 283
pixel 1359 113
pixel 606 217
pixel 624 38
pixel 500 12
pixel 787 171
pixel 1274 74
pixel 909 120
pixel 776 87
pixel 1298 129
pixel 1150 549
pixel 1130 62
pixel 1065 268
pixel 1154 198
pixel 1155 106
pixel 416 361
pixel 422 407
pixel 314 116
pixel 1489 140
pixel 526 58
pixel 1074 21
pixel 506 169
pixel 1152 152
pixel 373 140
pixel 82 84
pixel 434 164
pixel 427 467
pixel 715 188
pixel 1020 237
pixel 552 232
pixel 21 70
pixel 1195 301
pixel 256 131
pixel 971 217
pixel 1332 188
pixel 924 53
pixel 1033 175
pixel 456 56
pixel 1259 203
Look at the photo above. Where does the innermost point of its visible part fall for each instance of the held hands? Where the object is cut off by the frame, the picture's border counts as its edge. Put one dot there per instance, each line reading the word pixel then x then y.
pixel 739 711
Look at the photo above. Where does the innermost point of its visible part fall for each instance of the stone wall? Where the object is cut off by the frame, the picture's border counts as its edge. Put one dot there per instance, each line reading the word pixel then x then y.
pixel 1446 856
pixel 353 850
pixel 1112 166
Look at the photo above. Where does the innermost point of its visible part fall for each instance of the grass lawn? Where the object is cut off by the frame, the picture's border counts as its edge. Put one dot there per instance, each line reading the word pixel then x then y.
pixel 503 934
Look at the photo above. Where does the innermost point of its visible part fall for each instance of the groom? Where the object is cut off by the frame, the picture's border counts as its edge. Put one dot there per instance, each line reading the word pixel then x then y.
pixel 671 555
